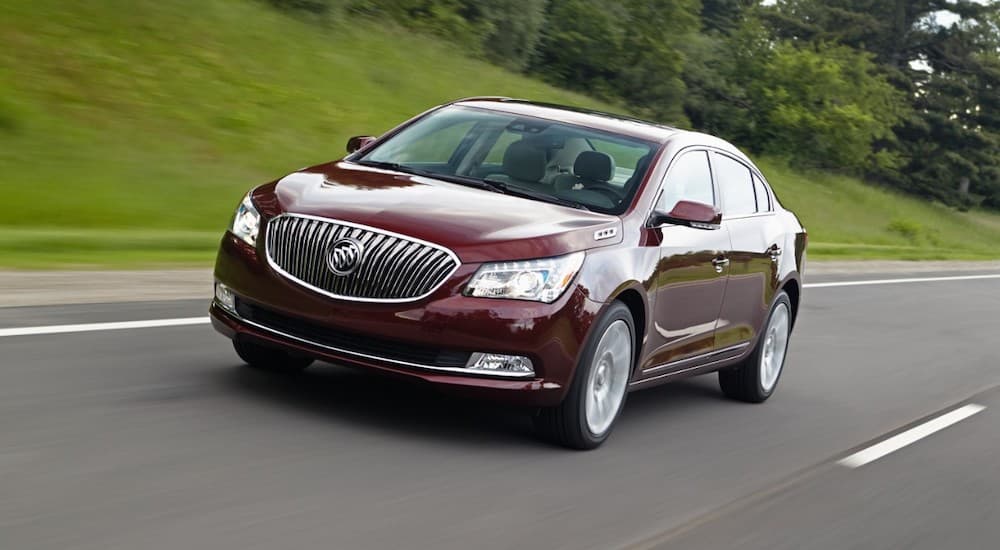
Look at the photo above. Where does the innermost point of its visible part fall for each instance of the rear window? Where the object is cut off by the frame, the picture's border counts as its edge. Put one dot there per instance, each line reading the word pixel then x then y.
pixel 763 197
pixel 735 185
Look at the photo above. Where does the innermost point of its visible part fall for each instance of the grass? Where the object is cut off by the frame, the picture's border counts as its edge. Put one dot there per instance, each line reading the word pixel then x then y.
pixel 129 129
pixel 847 219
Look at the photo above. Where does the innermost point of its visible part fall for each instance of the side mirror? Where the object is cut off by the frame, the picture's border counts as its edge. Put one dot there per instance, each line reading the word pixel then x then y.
pixel 357 143
pixel 692 214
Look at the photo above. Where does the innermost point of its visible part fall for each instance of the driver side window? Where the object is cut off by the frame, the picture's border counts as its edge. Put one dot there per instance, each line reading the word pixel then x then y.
pixel 689 179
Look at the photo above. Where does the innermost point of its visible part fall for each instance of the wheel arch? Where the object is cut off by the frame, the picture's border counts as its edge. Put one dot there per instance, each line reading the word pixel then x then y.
pixel 793 288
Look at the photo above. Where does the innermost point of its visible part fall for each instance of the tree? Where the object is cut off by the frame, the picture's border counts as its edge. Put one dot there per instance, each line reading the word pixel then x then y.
pixel 946 69
pixel 581 45
pixel 720 64
pixel 511 29
pixel 628 50
pixel 825 105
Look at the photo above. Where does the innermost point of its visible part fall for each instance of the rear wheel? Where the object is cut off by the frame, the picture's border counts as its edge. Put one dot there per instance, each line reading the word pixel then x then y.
pixel 597 394
pixel 268 358
pixel 755 379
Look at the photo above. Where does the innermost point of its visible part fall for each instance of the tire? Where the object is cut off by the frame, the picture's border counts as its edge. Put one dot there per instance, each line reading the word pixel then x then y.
pixel 597 393
pixel 756 377
pixel 270 359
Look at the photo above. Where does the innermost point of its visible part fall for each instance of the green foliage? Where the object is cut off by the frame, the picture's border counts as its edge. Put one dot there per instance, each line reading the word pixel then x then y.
pixel 510 29
pixel 948 72
pixel 629 50
pixel 825 106
pixel 581 45
pixel 909 229
pixel 502 31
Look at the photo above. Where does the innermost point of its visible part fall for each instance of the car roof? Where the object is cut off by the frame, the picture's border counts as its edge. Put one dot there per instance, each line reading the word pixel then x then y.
pixel 608 122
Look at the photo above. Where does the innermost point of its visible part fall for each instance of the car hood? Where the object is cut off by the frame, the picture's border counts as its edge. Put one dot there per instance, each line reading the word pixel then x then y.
pixel 476 224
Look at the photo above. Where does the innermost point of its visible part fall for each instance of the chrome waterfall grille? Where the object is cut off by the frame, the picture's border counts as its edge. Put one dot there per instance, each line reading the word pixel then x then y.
pixel 355 262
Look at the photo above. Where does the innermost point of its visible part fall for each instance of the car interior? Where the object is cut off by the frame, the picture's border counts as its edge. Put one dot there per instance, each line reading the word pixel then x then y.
pixel 567 167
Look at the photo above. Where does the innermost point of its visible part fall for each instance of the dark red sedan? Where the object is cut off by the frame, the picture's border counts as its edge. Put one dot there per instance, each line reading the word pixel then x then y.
pixel 524 252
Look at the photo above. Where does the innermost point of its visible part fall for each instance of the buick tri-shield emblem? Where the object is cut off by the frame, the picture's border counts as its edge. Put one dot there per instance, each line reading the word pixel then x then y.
pixel 344 256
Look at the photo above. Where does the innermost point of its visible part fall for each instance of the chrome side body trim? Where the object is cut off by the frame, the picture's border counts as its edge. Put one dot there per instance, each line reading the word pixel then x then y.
pixel 716 356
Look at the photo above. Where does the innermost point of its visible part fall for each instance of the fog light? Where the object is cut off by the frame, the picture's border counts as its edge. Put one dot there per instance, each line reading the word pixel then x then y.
pixel 224 297
pixel 495 362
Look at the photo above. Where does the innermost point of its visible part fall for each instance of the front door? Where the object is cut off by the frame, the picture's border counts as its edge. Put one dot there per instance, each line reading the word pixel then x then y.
pixel 691 275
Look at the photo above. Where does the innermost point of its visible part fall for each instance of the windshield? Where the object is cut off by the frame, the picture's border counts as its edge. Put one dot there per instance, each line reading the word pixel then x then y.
pixel 529 157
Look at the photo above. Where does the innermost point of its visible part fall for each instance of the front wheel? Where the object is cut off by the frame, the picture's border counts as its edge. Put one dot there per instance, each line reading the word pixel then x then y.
pixel 270 359
pixel 755 378
pixel 597 394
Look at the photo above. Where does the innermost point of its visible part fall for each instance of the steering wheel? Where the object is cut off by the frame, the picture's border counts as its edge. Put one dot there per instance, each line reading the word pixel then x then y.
pixel 615 197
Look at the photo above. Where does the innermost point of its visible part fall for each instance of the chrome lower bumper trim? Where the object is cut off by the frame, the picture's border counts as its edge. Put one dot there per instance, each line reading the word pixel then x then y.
pixel 452 370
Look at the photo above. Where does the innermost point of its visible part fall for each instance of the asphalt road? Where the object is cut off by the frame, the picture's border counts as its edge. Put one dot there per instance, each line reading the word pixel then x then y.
pixel 158 438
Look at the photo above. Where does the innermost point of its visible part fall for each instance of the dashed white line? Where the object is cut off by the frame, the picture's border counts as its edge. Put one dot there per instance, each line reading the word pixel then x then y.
pixel 91 327
pixel 900 281
pixel 910 436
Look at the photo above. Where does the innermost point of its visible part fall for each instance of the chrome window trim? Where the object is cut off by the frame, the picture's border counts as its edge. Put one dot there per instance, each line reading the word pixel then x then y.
pixel 454 370
pixel 274 266
pixel 772 200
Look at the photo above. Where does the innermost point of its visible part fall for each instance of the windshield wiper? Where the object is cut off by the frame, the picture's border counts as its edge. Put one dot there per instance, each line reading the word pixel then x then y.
pixel 384 165
pixel 461 180
pixel 524 193
pixel 486 184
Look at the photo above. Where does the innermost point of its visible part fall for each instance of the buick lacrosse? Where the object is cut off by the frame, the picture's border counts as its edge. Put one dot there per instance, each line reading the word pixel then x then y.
pixel 529 253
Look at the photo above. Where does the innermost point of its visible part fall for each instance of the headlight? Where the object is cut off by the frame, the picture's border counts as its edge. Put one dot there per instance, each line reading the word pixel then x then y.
pixel 246 221
pixel 542 280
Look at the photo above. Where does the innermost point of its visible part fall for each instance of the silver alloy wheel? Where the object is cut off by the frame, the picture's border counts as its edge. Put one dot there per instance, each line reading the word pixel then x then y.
pixel 774 347
pixel 608 377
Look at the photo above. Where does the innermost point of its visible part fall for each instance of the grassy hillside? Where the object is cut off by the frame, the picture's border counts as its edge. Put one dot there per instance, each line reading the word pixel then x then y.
pixel 129 129
pixel 848 219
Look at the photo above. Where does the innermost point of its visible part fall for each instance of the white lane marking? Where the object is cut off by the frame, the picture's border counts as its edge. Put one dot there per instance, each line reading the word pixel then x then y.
pixel 90 327
pixel 900 281
pixel 910 436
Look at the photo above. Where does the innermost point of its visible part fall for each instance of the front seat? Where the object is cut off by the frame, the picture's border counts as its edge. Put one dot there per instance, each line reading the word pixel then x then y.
pixel 590 169
pixel 522 163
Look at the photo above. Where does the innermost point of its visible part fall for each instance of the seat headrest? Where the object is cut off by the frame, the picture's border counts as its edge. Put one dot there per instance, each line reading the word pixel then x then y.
pixel 524 162
pixel 594 166
pixel 640 169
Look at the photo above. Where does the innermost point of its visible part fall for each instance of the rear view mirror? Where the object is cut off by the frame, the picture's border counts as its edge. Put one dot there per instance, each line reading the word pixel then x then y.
pixel 692 214
pixel 357 143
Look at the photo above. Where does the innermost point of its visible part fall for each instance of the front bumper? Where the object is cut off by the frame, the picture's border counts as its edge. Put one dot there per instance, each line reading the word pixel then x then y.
pixel 551 335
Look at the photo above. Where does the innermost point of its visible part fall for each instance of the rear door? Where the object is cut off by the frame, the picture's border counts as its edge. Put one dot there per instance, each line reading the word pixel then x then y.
pixel 755 233
pixel 691 275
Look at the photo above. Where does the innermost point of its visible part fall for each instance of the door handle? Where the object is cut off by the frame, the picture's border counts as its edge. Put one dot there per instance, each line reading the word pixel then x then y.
pixel 720 264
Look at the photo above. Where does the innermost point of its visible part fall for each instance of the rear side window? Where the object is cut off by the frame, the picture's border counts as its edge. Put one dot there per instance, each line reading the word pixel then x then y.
pixel 763 198
pixel 690 179
pixel 735 185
